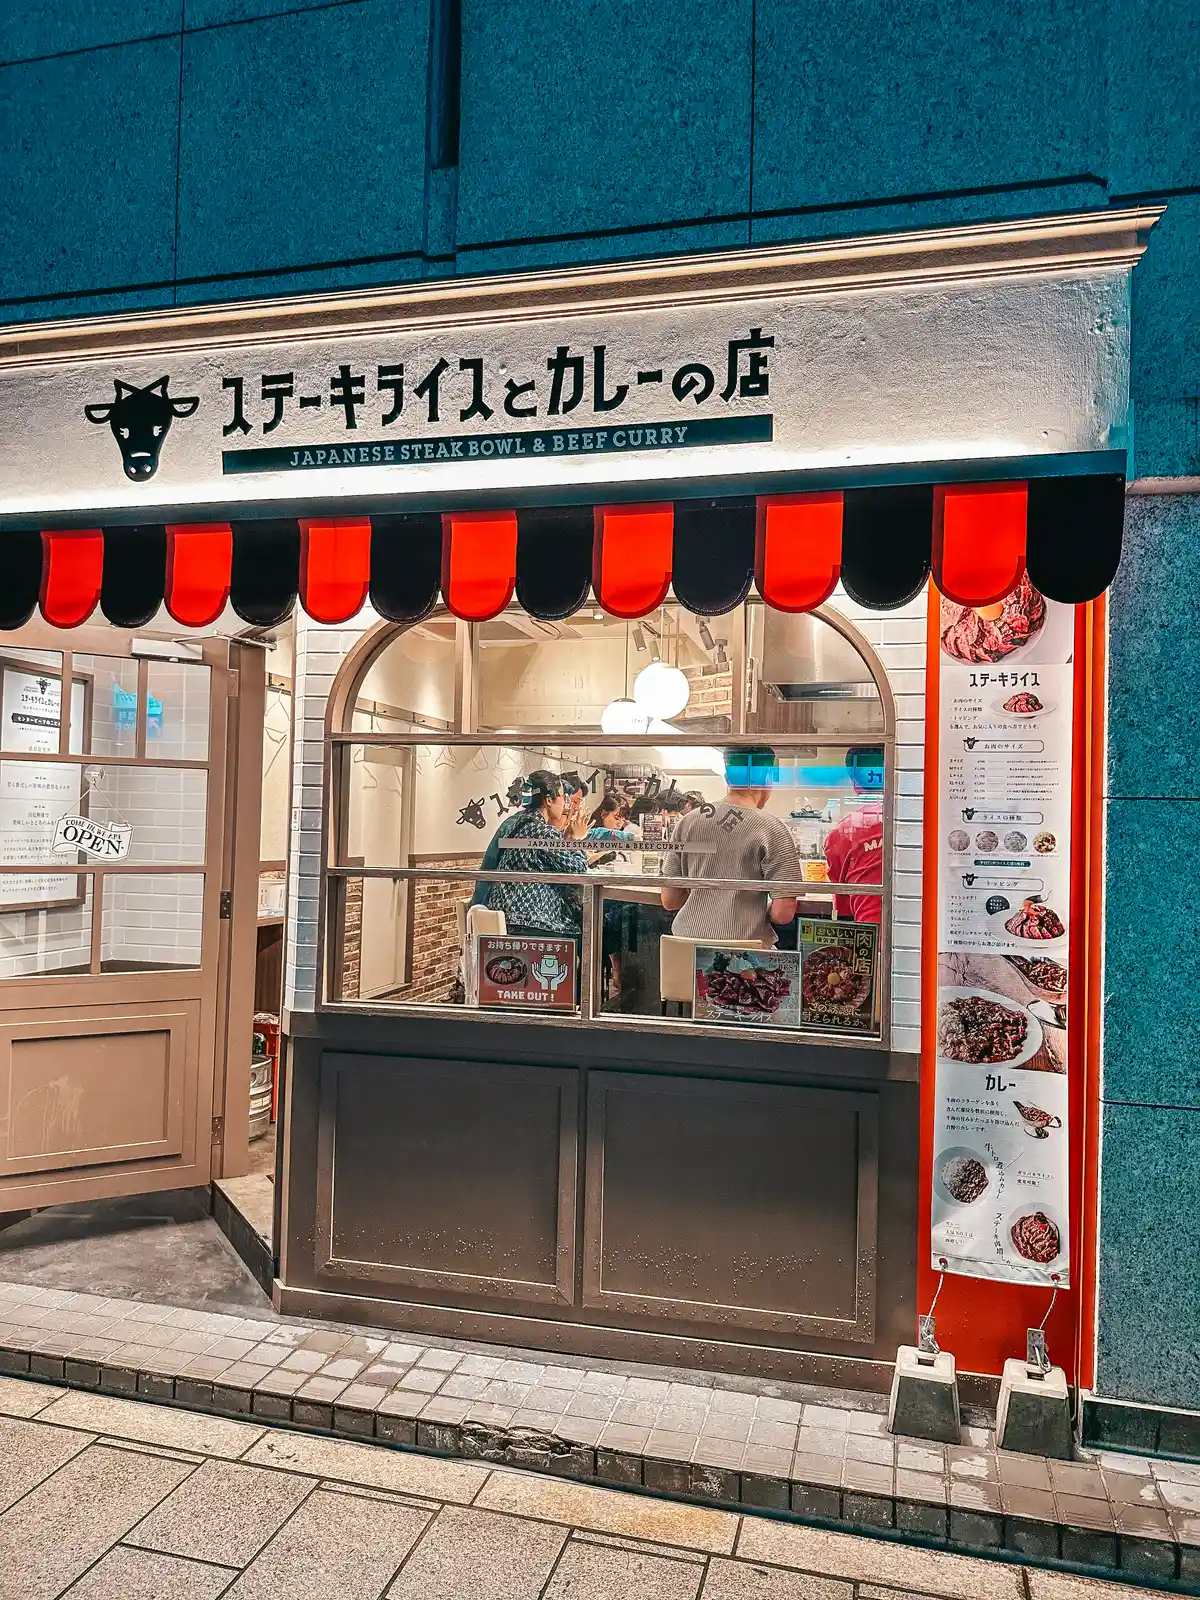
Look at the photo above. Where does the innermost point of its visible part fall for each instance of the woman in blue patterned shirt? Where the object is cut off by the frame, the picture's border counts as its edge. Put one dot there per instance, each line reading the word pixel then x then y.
pixel 537 843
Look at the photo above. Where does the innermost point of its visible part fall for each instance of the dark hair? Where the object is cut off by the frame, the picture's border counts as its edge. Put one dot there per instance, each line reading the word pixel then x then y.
pixel 749 769
pixel 673 802
pixel 540 786
pixel 695 797
pixel 610 802
pixel 645 805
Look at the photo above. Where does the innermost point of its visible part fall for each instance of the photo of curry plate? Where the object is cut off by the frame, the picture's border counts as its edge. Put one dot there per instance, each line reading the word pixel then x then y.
pixel 984 1029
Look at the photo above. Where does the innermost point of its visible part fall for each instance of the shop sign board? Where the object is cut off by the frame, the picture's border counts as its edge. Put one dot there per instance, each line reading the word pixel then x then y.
pixel 746 377
pixel 1000 1204
pixel 527 972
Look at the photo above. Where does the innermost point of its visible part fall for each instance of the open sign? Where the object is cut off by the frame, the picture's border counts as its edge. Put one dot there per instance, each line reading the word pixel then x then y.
pixel 109 840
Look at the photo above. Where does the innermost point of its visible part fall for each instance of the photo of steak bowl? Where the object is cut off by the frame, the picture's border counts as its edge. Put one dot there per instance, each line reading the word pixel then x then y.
pixel 981 1029
pixel 828 978
pixel 1041 973
pixel 989 633
pixel 1024 704
pixel 964 1177
pixel 959 839
pixel 987 841
pixel 1044 842
pixel 742 989
pixel 1035 920
pixel 1036 1238
pixel 1016 840
pixel 506 972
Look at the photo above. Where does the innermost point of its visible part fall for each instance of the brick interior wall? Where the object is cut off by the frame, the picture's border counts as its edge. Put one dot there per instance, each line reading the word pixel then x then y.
pixel 352 939
pixel 711 692
pixel 435 948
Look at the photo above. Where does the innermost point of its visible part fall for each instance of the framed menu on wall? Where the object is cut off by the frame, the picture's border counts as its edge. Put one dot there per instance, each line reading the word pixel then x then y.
pixel 35 794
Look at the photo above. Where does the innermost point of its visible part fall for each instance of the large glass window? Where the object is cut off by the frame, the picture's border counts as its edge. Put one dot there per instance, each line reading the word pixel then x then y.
pixel 679 820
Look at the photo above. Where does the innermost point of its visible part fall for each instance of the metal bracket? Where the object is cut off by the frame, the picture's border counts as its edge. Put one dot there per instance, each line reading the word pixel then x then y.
pixel 927 1345
pixel 1037 1357
pixel 218 1130
pixel 226 904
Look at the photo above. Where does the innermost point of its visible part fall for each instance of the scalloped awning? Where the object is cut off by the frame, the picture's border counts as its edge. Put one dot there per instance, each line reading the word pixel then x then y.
pixel 881 543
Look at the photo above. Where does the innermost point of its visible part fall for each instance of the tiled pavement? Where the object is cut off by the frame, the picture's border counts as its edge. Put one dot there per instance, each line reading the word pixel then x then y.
pixel 774 1447
pixel 103 1498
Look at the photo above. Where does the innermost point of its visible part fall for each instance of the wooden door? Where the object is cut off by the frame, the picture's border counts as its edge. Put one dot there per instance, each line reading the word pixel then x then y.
pixel 115 962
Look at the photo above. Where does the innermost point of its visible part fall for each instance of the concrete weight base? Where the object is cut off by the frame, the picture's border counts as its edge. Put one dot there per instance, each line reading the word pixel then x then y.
pixel 924 1403
pixel 1034 1414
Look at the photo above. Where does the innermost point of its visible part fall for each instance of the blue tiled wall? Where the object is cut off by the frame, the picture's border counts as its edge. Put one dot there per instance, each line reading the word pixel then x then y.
pixel 174 151
pixel 1150 1184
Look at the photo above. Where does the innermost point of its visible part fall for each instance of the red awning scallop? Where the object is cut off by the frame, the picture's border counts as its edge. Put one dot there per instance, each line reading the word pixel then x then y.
pixel 479 562
pixel 72 573
pixel 798 555
pixel 978 541
pixel 199 563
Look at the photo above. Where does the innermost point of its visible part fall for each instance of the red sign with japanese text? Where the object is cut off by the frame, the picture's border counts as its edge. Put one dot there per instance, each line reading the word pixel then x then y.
pixel 527 972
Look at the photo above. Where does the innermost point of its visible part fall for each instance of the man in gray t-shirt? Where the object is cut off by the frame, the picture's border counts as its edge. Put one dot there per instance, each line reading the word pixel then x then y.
pixel 737 841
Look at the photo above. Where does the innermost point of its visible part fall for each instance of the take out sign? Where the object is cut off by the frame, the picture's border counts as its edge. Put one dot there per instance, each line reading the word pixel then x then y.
pixel 108 840
pixel 526 972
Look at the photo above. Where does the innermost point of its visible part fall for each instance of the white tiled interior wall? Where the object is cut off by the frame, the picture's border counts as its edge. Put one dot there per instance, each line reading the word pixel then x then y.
pixel 898 637
pixel 146 919
pixel 158 917
pixel 33 942
pixel 320 651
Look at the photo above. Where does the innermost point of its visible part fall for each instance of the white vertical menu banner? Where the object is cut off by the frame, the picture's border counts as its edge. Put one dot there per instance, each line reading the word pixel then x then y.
pixel 1001 1180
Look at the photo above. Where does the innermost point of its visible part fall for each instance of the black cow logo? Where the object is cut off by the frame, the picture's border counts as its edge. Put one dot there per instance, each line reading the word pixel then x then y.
pixel 140 420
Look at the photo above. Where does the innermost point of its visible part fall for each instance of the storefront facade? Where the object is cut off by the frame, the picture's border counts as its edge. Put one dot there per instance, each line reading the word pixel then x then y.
pixel 492 498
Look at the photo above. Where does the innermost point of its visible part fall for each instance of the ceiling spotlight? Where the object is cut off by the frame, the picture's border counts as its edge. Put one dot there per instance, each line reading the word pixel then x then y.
pixel 722 655
pixel 639 640
pixel 706 638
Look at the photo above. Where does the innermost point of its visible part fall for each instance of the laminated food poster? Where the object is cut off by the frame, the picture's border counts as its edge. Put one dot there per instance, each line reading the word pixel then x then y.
pixel 1000 1154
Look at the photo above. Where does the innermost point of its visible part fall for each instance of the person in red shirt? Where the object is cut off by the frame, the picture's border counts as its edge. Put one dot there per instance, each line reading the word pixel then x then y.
pixel 854 846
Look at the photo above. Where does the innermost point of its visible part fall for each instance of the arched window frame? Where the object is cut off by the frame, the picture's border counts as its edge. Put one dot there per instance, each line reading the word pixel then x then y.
pixel 340 737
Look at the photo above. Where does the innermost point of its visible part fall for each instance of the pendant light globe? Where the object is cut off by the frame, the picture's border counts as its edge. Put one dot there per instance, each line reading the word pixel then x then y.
pixel 623 716
pixel 660 690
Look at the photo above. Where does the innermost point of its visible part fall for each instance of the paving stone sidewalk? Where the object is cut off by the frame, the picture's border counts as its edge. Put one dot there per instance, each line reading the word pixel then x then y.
pixel 807 1453
pixel 104 1498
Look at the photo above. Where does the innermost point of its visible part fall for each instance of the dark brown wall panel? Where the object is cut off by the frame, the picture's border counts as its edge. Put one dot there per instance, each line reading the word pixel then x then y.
pixel 449 1176
pixel 745 1204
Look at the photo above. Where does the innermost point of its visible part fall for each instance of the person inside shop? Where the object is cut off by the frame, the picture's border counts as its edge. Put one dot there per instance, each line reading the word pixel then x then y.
pixel 545 836
pixel 609 825
pixel 854 845
pixel 737 840
pixel 608 830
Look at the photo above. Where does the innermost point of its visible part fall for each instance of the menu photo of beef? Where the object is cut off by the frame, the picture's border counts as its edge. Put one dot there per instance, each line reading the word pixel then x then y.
pixel 988 634
pixel 1034 1233
pixel 760 987
pixel 1023 705
pixel 837 974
